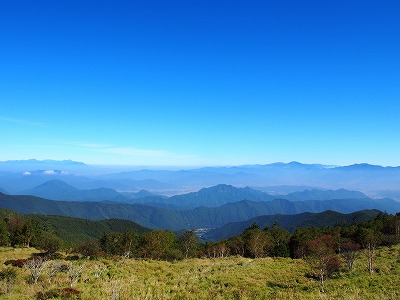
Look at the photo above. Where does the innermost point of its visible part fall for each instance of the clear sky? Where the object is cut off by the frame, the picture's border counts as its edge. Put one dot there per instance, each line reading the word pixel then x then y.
pixel 197 82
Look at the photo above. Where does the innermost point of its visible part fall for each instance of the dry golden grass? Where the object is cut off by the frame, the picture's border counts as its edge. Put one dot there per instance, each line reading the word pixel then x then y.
pixel 227 278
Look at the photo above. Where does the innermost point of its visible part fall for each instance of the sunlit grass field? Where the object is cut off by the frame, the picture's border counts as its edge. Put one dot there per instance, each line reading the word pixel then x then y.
pixel 223 278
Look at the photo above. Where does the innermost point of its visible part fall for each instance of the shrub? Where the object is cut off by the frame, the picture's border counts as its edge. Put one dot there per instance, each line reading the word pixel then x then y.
pixel 8 276
pixel 89 249
pixel 16 262
pixel 65 293
pixel 48 295
pixel 49 242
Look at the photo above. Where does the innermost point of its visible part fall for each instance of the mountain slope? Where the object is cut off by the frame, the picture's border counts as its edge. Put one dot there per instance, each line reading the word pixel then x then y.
pixel 146 216
pixel 216 196
pixel 77 230
pixel 316 194
pixel 213 217
pixel 59 190
pixel 291 222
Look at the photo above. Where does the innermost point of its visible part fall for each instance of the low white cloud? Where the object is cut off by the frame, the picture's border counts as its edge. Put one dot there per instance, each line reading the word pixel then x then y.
pixel 49 172
pixel 27 173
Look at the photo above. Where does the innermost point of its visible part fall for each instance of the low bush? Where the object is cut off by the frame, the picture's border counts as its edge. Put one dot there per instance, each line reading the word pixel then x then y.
pixel 64 293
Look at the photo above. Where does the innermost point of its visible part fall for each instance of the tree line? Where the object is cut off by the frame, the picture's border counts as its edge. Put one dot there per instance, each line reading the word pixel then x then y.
pixel 254 242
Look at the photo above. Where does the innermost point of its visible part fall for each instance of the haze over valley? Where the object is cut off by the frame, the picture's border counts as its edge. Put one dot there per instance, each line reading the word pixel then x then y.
pixel 199 150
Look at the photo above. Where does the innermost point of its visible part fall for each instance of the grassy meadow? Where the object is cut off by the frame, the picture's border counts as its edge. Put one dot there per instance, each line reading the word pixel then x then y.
pixel 222 278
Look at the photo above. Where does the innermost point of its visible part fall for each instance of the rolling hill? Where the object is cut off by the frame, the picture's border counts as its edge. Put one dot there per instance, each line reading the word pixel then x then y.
pixel 201 217
pixel 291 222
pixel 75 230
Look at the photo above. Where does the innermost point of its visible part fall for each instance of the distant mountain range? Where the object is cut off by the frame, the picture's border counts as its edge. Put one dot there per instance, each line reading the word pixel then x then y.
pixel 16 176
pixel 33 164
pixel 59 190
pixel 46 162
pixel 291 222
pixel 208 197
pixel 316 194
pixel 200 217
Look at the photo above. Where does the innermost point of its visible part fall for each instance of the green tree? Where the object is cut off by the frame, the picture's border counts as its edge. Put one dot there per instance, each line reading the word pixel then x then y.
pixel 280 240
pixel 89 249
pixel 15 228
pixel 321 257
pixel 157 244
pixel 298 242
pixel 189 243
pixel 49 242
pixel 4 234
pixel 350 252
pixel 237 245
pixel 258 243
pixel 369 239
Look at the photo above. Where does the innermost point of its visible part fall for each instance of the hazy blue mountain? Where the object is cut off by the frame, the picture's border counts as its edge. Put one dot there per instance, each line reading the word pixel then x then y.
pixel 316 194
pixel 17 182
pixel 362 177
pixel 33 164
pixel 3 191
pixel 207 197
pixel 284 189
pixel 291 222
pixel 126 185
pixel 59 190
pixel 142 194
pixel 217 195
pixel 201 217
pixel 146 216
pixel 38 163
pixel 393 194
pixel 222 194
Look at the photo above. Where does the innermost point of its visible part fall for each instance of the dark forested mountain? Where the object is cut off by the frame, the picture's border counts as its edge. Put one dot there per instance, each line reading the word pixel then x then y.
pixel 78 230
pixel 291 222
pixel 75 230
pixel 59 190
pixel 201 217
pixel 147 216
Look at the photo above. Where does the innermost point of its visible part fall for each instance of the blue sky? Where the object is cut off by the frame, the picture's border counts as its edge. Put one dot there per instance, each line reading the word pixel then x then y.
pixel 192 83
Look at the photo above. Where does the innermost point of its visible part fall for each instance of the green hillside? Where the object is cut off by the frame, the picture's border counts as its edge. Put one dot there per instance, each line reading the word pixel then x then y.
pixel 75 230
pixel 292 222
pixel 201 217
